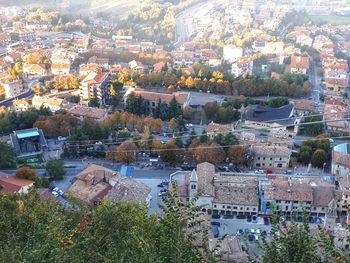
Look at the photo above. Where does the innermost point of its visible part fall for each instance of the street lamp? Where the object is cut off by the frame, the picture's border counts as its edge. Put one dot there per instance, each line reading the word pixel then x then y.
pixel 324 164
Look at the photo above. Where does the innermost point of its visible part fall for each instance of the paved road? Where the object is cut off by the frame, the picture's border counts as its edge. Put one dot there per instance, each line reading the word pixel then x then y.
pixel 184 26
pixel 317 88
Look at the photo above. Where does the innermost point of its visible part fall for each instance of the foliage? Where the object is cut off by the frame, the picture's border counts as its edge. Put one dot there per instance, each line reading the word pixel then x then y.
pixel 308 150
pixel 238 155
pixel 171 153
pixel 278 102
pixel 125 153
pixel 55 169
pixel 135 105
pixel 319 158
pixel 8 157
pixel 210 109
pixel 167 112
pixel 26 172
pixel 66 82
pixel 206 152
pixel 94 102
pixel 226 140
pixel 312 129
pixel 57 125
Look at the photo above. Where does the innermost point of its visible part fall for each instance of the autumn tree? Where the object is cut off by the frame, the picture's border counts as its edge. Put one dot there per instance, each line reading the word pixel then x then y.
pixel 125 153
pixel 237 155
pixel 25 172
pixel 207 152
pixel 171 153
pixel 210 109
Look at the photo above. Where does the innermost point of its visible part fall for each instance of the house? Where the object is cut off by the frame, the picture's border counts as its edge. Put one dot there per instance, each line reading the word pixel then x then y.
pixel 215 129
pixel 299 64
pixel 231 53
pixel 12 86
pixel 153 98
pixel 241 66
pixel 5 39
pixel 60 69
pixel 341 160
pixel 136 66
pixel 85 69
pixel 54 104
pixel 96 183
pixel 336 110
pixel 13 184
pixel 158 67
pixel 96 85
pixel 304 107
pixel 270 157
pixel 85 112
pixel 101 62
pixel 20 105
pixel 35 70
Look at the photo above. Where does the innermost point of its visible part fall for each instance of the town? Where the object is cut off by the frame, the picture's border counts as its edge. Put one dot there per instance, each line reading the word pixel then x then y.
pixel 240 108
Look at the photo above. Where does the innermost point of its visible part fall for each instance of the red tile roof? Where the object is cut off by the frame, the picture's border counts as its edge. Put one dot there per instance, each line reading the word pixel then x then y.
pixel 12 184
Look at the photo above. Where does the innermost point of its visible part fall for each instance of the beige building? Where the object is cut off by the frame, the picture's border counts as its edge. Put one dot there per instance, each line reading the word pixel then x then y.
pixel 54 104
pixel 270 157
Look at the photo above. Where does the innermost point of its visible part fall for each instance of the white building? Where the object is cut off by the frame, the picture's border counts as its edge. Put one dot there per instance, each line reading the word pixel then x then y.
pixel 232 53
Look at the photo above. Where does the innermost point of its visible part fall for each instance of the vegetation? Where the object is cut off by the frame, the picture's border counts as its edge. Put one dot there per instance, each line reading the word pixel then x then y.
pixel 316 152
pixel 55 169
pixel 312 129
pixel 8 157
pixel 125 153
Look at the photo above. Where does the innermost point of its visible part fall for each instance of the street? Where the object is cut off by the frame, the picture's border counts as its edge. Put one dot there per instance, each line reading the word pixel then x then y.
pixel 317 88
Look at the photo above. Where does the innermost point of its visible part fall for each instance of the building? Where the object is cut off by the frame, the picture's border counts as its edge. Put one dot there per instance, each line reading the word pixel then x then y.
pixel 85 69
pixel 54 104
pixel 153 98
pixel 85 112
pixel 270 157
pixel 304 107
pixel 96 183
pixel 13 184
pixel 231 53
pixel 60 69
pixel 294 195
pixel 20 105
pixel 136 66
pixel 218 193
pixel 96 85
pixel 341 160
pixel 35 70
pixel 215 129
pixel 12 87
pixel 242 66
pixel 299 64
pixel 28 143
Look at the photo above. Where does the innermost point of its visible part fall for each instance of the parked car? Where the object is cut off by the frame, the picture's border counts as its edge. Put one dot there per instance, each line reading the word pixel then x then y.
pixel 216 223
pixel 215 216
pixel 228 216
pixel 259 172
pixel 215 230
pixel 249 219
pixel 251 237
pixel 256 238
pixel 160 185
pixel 247 230
pixel 241 217
pixel 311 220
pixel 266 221
pixel 254 219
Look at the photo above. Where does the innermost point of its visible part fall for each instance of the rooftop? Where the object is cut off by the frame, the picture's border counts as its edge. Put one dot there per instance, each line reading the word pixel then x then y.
pixel 88 112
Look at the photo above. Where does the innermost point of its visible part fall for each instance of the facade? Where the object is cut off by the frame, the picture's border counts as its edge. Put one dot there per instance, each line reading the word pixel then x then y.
pixel 12 86
pixel 242 66
pixel 13 185
pixel 270 157
pixel 96 85
pixel 60 69
pixel 341 160
pixel 35 69
pixel 20 105
pixel 299 64
pixel 54 104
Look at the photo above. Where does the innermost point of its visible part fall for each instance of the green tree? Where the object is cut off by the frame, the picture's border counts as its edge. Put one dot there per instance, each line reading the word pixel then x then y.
pixel 8 158
pixel 94 102
pixel 55 169
pixel 278 102
pixel 136 105
pixel 192 136
pixel 319 158
pixel 174 110
pixel 204 137
pixel 313 129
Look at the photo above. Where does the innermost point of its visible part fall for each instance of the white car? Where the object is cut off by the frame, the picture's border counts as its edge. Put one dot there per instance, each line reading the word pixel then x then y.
pixel 55 194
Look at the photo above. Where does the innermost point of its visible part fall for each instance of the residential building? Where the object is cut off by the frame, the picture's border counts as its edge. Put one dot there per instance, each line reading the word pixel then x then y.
pixel 12 86
pixel 304 107
pixel 231 53
pixel 101 62
pixel 299 64
pixel 153 98
pixel 54 104
pixel 5 39
pixel 344 194
pixel 270 157
pixel 35 70
pixel 96 183
pixel 96 85
pixel 215 129
pixel 341 160
pixel 85 69
pixel 20 105
pixel 60 69
pixel 14 185
pixel 85 112
pixel 136 66
pixel 241 66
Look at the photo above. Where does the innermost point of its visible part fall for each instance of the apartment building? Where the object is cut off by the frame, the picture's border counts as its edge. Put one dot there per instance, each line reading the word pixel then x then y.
pixel 96 85
pixel 270 157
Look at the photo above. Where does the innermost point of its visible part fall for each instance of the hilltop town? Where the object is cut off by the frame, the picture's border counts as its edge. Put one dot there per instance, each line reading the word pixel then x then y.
pixel 239 107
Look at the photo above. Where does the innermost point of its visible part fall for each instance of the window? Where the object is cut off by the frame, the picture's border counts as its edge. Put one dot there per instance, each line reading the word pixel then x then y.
pixel 241 208
pixel 263 164
pixel 258 158
pixel 287 208
pixel 215 206
pixel 264 158
pixel 271 159
pixel 278 207
pixel 295 202
pixel 228 207
pixel 270 164
pixel 279 165
pixel 223 206
pixel 235 207
pixel 247 208
pixel 280 159
pixel 253 208
pixel 278 201
pixel 193 186
pixel 257 165
pixel 268 205
pixel 322 209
